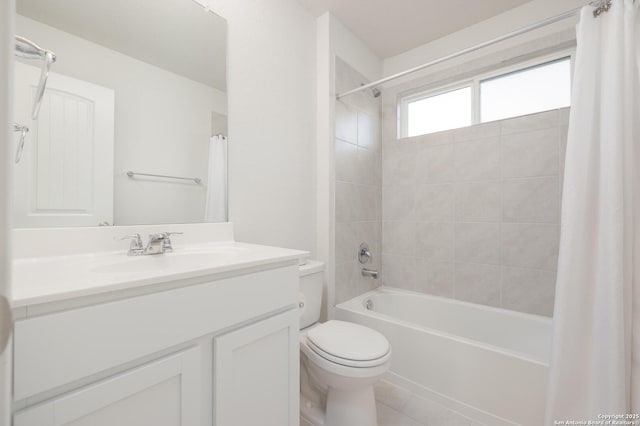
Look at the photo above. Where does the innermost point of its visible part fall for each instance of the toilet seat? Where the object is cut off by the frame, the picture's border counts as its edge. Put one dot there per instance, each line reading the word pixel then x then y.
pixel 349 344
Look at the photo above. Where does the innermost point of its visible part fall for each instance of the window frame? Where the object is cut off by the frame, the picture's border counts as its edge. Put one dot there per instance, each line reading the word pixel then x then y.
pixel 474 83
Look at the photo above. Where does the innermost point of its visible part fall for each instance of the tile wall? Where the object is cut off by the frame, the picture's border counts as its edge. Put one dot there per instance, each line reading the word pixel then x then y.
pixel 473 213
pixel 357 183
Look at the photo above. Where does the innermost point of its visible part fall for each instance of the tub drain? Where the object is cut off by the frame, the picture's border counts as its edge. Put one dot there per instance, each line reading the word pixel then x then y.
pixel 368 304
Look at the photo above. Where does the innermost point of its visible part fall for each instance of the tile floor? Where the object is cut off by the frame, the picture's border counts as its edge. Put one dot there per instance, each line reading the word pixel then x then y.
pixel 399 407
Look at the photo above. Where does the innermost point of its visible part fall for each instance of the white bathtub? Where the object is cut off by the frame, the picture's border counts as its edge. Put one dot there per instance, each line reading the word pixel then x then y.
pixel 488 363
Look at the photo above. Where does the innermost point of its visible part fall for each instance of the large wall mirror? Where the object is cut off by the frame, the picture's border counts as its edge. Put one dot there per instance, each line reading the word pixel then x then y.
pixel 132 127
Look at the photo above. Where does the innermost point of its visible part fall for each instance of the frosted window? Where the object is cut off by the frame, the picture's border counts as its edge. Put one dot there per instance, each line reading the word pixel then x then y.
pixel 446 111
pixel 536 89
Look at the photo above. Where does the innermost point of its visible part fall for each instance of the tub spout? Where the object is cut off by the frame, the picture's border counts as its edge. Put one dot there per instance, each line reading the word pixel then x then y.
pixel 369 273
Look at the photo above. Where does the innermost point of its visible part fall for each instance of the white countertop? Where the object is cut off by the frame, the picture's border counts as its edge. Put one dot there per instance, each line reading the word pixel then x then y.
pixel 50 279
pixel 45 278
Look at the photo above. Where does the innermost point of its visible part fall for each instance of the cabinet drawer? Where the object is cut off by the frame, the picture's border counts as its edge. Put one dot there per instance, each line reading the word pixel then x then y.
pixel 58 349
pixel 163 392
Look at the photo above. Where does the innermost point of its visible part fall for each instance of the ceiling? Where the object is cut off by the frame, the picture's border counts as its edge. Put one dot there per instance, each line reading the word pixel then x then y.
pixel 392 27
pixel 176 35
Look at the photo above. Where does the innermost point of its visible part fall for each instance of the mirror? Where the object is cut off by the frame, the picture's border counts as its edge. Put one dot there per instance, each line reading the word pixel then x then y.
pixel 132 127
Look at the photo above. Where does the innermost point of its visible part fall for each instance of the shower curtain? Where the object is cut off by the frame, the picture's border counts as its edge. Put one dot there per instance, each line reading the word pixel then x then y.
pixel 215 209
pixel 595 364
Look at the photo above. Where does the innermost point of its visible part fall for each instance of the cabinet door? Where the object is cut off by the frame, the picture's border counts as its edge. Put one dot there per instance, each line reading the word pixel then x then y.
pixel 256 374
pixel 166 392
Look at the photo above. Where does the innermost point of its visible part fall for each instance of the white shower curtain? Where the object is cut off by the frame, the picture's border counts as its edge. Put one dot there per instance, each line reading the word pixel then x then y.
pixel 595 365
pixel 215 209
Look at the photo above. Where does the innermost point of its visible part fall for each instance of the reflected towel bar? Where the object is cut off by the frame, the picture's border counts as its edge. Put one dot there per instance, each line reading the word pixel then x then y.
pixel 195 179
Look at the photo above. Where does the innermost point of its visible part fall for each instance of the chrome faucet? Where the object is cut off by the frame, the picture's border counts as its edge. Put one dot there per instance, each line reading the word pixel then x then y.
pixel 370 273
pixel 167 247
pixel 157 244
pixel 135 246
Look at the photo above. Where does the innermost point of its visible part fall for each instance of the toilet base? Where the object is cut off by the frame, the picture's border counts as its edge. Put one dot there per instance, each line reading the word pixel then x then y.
pixel 352 407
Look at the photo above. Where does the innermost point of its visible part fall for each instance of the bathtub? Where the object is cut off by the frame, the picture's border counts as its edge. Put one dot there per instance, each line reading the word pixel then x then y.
pixel 487 363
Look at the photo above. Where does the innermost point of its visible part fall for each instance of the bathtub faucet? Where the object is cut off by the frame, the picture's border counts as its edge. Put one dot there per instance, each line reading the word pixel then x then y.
pixel 369 273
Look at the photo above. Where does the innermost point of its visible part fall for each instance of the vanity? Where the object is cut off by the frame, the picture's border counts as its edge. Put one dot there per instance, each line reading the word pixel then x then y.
pixel 206 334
pixel 191 328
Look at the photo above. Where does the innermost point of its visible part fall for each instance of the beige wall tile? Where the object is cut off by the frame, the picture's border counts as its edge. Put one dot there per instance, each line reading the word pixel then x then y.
pixel 368 167
pixel 477 160
pixel 477 242
pixel 530 245
pixel 368 131
pixel 531 154
pixel 529 123
pixel 346 122
pixel 399 238
pixel 477 283
pixel 399 164
pixel 434 202
pixel 399 271
pixel 528 290
pixel 346 161
pixel 479 131
pixel 434 241
pixel 438 138
pixel 434 164
pixel 398 202
pixel 478 201
pixel 531 200
pixel 345 241
pixel 434 277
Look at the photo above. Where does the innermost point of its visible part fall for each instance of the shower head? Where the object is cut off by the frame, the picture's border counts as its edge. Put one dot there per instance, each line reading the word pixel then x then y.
pixel 374 91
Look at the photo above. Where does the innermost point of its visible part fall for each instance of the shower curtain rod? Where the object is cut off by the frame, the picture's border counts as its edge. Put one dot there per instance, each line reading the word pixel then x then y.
pixel 561 17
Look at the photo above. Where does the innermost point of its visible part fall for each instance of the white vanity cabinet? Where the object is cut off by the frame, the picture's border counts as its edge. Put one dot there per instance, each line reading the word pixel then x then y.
pixel 220 352
pixel 256 373
pixel 165 392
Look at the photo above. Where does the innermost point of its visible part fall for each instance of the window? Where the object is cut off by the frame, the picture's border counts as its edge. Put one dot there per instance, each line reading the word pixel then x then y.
pixel 448 110
pixel 531 90
pixel 526 89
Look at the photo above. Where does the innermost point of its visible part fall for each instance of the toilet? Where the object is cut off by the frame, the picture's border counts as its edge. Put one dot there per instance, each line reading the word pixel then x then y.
pixel 340 361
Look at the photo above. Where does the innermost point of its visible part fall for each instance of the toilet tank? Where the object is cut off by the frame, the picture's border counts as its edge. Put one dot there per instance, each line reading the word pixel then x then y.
pixel 311 284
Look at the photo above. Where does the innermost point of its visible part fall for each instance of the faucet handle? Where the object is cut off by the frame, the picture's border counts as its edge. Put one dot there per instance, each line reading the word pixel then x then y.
pixel 136 242
pixel 364 255
pixel 166 243
pixel 168 234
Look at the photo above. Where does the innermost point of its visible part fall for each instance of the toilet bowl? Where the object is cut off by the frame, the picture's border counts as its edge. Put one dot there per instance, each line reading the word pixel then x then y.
pixel 340 363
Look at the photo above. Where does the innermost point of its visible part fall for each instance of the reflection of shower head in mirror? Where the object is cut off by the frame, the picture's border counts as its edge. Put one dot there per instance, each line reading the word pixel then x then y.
pixel 27 49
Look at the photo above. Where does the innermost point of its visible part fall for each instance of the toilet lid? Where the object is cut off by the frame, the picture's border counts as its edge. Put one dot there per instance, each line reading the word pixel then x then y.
pixel 348 341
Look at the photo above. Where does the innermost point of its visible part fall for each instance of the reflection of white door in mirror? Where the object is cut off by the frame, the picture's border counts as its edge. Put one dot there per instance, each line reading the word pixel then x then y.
pixel 65 177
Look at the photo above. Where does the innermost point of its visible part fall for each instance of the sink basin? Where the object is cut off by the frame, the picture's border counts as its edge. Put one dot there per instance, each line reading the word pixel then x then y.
pixel 192 258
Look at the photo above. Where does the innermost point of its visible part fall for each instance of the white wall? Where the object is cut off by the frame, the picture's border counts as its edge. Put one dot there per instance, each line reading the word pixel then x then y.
pixel 504 23
pixel 162 126
pixel 272 103
pixel 6 147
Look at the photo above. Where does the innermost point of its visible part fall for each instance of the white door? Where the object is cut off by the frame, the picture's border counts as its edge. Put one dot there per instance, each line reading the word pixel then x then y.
pixel 256 374
pixel 166 392
pixel 65 177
